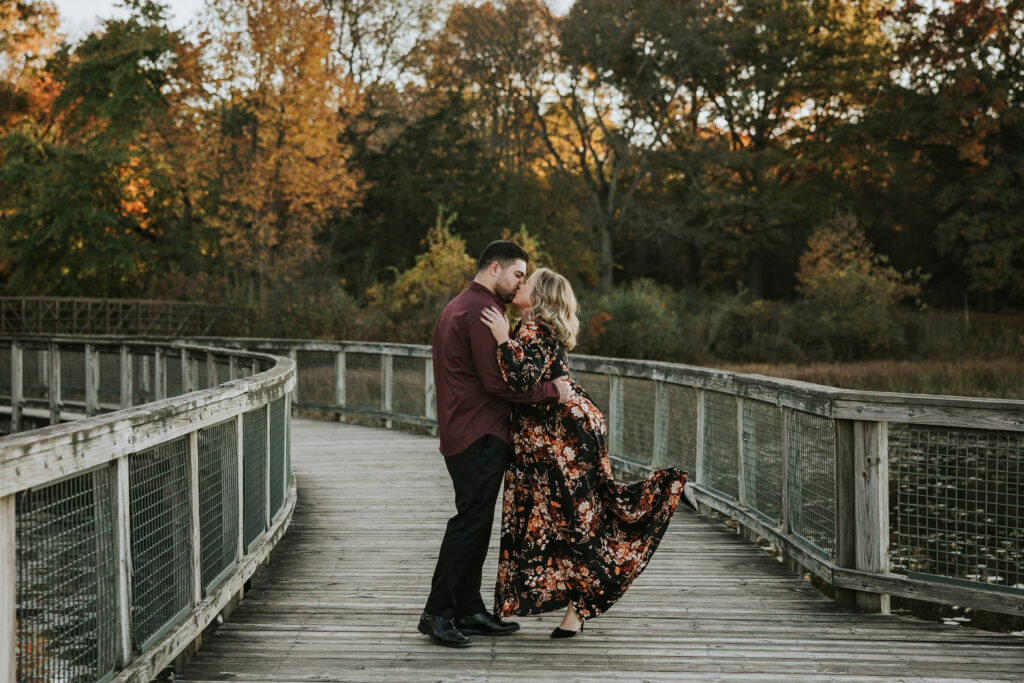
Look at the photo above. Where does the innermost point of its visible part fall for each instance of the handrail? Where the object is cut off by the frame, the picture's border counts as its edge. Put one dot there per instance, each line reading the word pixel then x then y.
pixel 129 317
pixel 140 519
pixel 876 493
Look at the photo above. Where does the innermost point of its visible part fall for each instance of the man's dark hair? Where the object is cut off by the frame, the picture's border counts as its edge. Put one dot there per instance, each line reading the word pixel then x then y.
pixel 502 251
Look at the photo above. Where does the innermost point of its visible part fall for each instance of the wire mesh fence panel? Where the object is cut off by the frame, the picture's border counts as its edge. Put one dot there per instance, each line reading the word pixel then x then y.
pixel 597 387
pixel 66 580
pixel 161 583
pixel 35 375
pixel 143 377
pixel 277 441
pixel 957 504
pixel 72 375
pixel 362 380
pixel 812 479
pixel 254 475
pixel 109 390
pixel 408 396
pixel 173 365
pixel 721 448
pixel 316 377
pixel 638 398
pixel 762 457
pixel 223 365
pixel 681 431
pixel 218 499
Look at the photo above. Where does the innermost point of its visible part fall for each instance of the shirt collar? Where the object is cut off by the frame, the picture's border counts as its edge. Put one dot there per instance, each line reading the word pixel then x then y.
pixel 476 286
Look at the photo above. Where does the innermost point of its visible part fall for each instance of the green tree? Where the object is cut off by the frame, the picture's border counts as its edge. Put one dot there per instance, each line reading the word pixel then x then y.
pixel 950 144
pixel 86 191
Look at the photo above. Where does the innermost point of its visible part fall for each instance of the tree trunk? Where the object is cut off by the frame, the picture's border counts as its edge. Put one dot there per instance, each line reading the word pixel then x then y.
pixel 606 262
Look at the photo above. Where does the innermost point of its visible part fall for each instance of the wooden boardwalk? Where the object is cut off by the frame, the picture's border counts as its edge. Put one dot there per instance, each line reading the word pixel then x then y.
pixel 340 599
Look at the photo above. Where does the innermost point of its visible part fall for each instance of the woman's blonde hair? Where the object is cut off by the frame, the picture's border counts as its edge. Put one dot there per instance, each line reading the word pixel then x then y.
pixel 553 303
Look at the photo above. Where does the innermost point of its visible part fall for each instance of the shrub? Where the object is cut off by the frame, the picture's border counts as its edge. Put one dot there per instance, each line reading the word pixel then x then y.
pixel 758 331
pixel 855 295
pixel 417 296
pixel 638 320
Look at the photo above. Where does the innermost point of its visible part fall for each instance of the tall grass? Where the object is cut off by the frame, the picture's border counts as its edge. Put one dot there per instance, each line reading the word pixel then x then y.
pixel 988 378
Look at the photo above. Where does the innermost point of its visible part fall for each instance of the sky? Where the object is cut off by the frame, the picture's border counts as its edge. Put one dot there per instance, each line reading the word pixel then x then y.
pixel 81 16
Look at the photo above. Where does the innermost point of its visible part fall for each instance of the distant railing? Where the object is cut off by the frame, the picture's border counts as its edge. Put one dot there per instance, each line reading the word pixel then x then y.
pixel 124 317
pixel 126 526
pixel 878 494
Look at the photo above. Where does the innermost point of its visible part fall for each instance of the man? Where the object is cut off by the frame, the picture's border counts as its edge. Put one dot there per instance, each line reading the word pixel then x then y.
pixel 473 410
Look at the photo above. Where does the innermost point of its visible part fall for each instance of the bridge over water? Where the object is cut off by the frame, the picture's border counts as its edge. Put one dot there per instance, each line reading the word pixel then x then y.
pixel 146 512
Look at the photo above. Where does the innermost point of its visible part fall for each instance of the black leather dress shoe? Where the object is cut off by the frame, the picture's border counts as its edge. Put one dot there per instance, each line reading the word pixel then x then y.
pixel 484 624
pixel 442 630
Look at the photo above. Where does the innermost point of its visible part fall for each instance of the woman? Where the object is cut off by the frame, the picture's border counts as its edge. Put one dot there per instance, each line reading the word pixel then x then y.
pixel 571 536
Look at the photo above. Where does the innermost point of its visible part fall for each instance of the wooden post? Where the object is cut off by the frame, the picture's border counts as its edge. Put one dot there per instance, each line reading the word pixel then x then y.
pixel 387 382
pixel 197 538
pixel 159 375
pixel 660 456
pixel 266 466
pixel 430 395
pixel 92 380
pixel 126 378
pixel 339 383
pixel 187 384
pixel 871 455
pixel 700 466
pixel 615 416
pixel 8 591
pixel 17 386
pixel 784 522
pixel 232 367
pixel 146 380
pixel 240 454
pixel 741 455
pixel 122 508
pixel 862 506
pixel 56 405
pixel 846 508
pixel 294 355
pixel 211 371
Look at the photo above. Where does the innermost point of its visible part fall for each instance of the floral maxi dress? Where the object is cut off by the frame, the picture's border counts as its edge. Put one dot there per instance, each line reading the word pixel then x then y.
pixel 570 533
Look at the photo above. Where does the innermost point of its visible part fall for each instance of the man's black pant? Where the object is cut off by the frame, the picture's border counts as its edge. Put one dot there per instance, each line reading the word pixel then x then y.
pixel 476 474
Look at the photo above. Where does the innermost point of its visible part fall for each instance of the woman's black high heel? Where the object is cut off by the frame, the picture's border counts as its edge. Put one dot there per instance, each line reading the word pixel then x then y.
pixel 564 633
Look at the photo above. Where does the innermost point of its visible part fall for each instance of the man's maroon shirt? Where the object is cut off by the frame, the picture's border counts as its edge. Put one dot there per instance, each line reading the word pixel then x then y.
pixel 472 398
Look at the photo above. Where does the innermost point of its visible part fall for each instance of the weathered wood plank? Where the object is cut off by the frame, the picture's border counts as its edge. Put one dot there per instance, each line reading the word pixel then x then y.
pixel 341 598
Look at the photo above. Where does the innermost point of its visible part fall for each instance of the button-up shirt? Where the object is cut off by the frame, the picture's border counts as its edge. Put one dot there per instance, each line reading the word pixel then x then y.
pixel 472 397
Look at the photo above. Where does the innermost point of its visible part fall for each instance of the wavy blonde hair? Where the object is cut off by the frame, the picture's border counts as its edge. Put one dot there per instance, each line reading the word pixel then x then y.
pixel 553 303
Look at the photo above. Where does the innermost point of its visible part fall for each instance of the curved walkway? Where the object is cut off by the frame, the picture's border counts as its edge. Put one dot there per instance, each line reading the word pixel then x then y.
pixel 340 599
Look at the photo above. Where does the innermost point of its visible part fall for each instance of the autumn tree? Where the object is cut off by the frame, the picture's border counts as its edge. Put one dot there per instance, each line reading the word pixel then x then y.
pixel 949 136
pixel 28 37
pixel 280 104
pixel 88 196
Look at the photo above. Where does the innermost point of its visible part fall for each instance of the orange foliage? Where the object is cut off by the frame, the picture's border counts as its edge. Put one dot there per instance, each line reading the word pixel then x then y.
pixel 28 36
pixel 284 103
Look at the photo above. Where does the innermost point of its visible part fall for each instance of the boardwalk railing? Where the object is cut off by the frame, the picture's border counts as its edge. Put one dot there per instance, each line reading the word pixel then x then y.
pixel 125 531
pixel 125 317
pixel 878 494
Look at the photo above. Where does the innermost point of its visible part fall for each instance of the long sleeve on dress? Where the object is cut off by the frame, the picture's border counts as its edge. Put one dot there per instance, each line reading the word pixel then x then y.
pixel 525 359
pixel 482 347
